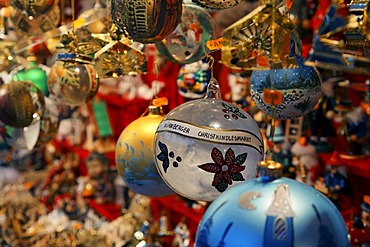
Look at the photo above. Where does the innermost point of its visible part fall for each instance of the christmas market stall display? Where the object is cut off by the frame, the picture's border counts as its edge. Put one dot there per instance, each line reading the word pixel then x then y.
pixel 185 123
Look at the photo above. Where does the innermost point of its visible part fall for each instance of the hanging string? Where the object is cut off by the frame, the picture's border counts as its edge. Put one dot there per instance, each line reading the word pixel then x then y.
pixel 73 14
pixel 62 9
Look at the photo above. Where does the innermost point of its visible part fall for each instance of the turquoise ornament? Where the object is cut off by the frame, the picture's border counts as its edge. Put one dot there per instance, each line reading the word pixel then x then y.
pixel 272 211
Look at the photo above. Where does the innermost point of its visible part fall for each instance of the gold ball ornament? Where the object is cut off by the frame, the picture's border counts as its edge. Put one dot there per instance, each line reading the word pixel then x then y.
pixel 135 157
pixel 21 103
pixel 147 21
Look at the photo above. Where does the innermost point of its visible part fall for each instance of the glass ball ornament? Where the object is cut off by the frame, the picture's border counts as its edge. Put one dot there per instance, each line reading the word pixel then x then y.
pixel 217 4
pixel 286 93
pixel 207 145
pixel 33 8
pixel 36 73
pixel 193 79
pixel 135 158
pixel 186 43
pixel 272 211
pixel 146 21
pixel 21 103
pixel 71 82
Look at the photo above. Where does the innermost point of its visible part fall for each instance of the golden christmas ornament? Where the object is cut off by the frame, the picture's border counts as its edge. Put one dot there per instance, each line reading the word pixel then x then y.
pixel 146 21
pixel 135 158
pixel 21 103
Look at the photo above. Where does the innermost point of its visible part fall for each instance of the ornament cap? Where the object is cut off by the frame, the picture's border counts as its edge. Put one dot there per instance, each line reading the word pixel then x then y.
pixel 213 90
pixel 155 110
pixel 270 170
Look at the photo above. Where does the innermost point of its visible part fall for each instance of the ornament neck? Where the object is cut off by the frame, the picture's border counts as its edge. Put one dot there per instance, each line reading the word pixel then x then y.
pixel 270 170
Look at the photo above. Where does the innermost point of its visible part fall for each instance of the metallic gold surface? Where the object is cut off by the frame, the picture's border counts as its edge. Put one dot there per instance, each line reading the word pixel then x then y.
pixel 260 40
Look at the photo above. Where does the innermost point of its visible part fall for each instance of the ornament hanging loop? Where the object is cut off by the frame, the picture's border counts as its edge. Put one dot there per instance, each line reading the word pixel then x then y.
pixel 211 61
pixel 213 89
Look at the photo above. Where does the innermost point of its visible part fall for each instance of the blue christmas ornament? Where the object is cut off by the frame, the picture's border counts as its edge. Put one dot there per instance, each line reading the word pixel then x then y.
pixel 272 211
pixel 286 93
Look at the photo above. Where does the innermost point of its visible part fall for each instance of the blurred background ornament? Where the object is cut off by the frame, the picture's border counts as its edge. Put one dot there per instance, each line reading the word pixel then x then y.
pixel 286 93
pixel 26 25
pixel 282 210
pixel 119 56
pixel 186 43
pixel 35 73
pixel 33 8
pixel 193 79
pixel 204 146
pixel 21 103
pixel 260 40
pixel 71 82
pixel 135 158
pixel 146 21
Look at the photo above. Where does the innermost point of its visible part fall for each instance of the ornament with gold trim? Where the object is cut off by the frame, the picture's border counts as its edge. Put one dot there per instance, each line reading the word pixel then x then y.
pixel 283 212
pixel 186 43
pixel 21 103
pixel 71 82
pixel 72 79
pixel 135 157
pixel 146 21
pixel 120 55
pixel 205 146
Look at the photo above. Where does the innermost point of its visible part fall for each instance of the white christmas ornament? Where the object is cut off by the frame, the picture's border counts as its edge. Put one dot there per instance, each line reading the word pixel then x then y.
pixel 207 145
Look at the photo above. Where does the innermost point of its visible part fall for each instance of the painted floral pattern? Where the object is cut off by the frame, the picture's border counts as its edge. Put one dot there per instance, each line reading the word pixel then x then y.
pixel 166 157
pixel 226 169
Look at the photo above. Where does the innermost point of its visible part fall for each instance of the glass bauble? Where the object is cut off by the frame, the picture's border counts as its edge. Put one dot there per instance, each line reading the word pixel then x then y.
pixel 37 74
pixel 71 82
pixel 280 212
pixel 26 25
pixel 186 43
pixel 146 21
pixel 286 93
pixel 193 79
pixel 135 158
pixel 33 8
pixel 217 4
pixel 205 146
pixel 21 103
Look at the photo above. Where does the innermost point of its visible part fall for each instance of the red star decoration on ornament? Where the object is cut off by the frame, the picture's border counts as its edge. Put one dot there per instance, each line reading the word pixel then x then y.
pixel 226 170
